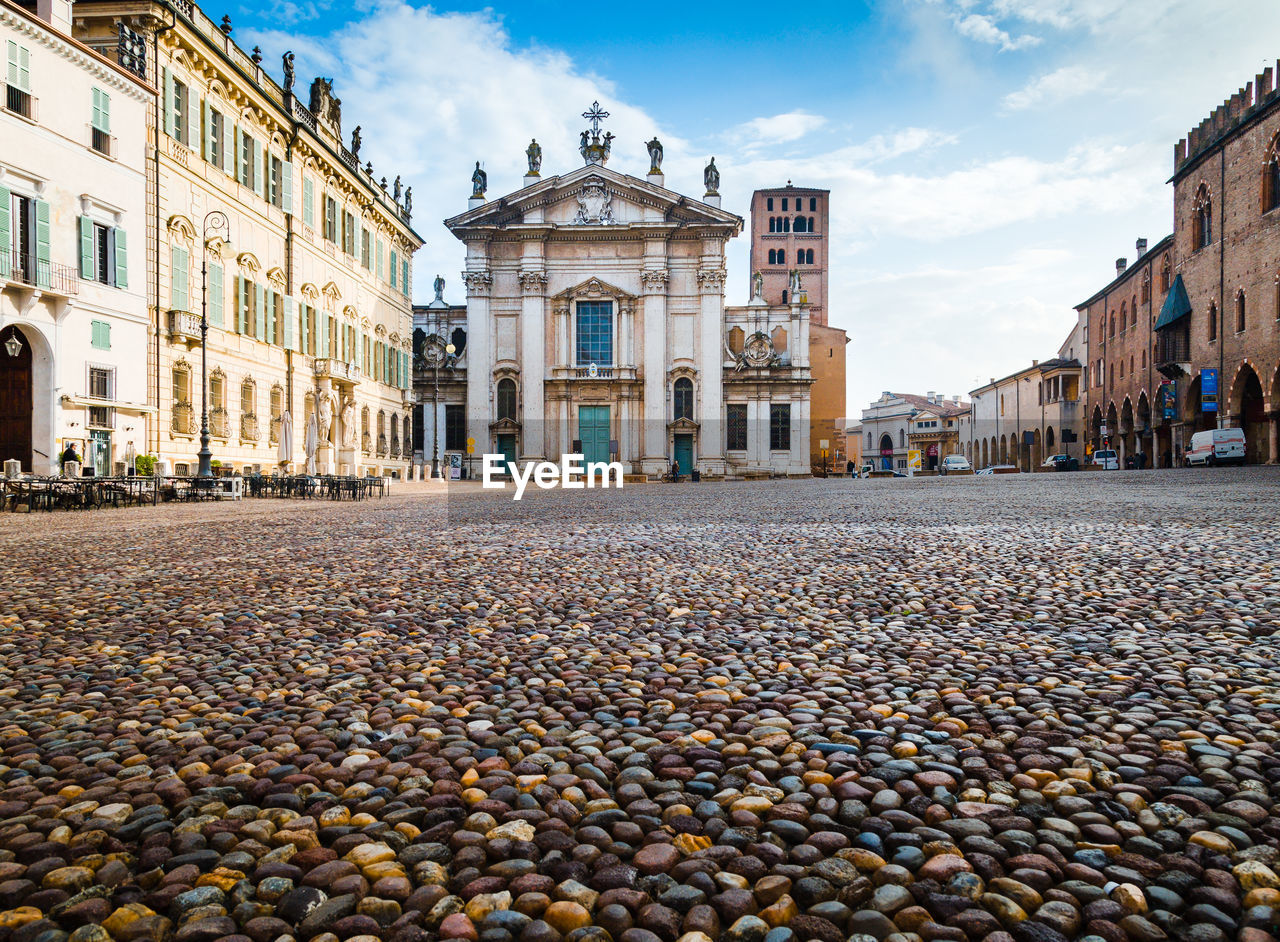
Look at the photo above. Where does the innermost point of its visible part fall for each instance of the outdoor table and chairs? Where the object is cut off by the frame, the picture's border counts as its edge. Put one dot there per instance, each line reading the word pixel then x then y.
pixel 83 493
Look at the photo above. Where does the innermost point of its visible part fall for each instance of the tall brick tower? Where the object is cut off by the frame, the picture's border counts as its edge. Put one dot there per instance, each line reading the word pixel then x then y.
pixel 790 228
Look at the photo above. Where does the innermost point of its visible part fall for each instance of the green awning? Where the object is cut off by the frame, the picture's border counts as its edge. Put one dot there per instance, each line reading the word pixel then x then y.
pixel 1176 305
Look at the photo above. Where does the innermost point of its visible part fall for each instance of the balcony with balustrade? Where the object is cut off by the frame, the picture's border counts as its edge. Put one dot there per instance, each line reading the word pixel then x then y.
pixel 184 328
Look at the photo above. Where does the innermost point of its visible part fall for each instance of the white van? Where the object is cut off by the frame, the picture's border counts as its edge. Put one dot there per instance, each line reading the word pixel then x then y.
pixel 1106 459
pixel 1216 446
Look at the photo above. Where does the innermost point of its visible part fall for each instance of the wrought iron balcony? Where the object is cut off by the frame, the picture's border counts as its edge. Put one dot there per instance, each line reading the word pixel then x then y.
pixel 219 423
pixel 184 418
pixel 102 142
pixel 22 103
pixel 248 427
pixel 336 369
pixel 49 277
pixel 382 446
pixel 366 443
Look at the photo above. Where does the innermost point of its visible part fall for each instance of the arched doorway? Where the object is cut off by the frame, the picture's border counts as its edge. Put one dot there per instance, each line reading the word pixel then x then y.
pixel 1004 449
pixel 17 399
pixel 1248 413
pixel 1126 429
pixel 1095 428
pixel 886 452
pixel 1146 442
pixel 1050 443
pixel 1037 450
pixel 986 454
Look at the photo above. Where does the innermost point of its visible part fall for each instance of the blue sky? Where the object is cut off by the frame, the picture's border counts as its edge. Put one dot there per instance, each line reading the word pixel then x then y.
pixel 988 159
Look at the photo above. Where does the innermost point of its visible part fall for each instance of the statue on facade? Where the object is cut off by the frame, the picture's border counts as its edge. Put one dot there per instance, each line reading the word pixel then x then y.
pixel 349 423
pixel 395 193
pixel 479 182
pixel 355 142
pixel 655 155
pixel 408 201
pixel 335 116
pixel 757 285
pixel 711 177
pixel 534 153
pixel 438 284
pixel 325 417
pixel 289 76
pixel 321 94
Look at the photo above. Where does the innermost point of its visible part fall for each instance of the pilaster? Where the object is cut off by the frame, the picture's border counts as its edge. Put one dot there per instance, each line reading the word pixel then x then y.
pixel 654 287
pixel 711 281
pixel 479 356
pixel 533 357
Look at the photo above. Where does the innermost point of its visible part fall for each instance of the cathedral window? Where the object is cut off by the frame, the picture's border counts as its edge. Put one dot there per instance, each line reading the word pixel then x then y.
pixel 736 413
pixel 780 427
pixel 684 398
pixel 507 399
pixel 1202 220
pixel 595 333
pixel 1271 178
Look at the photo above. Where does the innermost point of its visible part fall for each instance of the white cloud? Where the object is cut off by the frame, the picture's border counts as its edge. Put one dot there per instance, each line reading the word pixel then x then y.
pixel 1068 82
pixel 983 29
pixel 779 129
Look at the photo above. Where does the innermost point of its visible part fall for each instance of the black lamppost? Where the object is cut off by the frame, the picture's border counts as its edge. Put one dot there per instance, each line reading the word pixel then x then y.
pixel 437 358
pixel 215 223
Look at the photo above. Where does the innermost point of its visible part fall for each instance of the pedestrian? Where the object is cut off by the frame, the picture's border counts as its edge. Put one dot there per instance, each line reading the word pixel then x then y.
pixel 69 454
pixel 675 469
pixel 848 468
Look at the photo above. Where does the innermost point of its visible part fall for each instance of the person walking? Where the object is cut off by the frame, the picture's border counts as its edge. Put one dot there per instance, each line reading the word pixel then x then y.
pixel 69 454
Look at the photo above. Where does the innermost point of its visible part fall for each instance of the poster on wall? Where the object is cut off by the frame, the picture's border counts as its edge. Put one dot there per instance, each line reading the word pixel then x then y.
pixel 455 466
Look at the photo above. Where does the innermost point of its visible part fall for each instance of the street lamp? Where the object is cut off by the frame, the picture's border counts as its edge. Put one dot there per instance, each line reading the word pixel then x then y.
pixel 215 224
pixel 436 359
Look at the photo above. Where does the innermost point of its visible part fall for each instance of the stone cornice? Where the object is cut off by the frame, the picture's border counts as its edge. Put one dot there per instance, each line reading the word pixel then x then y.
pixel 77 54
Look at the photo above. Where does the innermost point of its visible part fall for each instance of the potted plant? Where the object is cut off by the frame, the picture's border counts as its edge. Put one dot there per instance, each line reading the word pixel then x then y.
pixel 145 465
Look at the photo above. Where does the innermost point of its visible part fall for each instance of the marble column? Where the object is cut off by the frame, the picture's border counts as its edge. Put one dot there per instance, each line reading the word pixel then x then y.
pixel 711 279
pixel 533 358
pixel 654 457
pixel 479 357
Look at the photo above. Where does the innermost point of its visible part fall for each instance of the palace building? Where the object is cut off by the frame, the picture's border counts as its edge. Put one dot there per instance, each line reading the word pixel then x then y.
pixel 261 215
pixel 596 323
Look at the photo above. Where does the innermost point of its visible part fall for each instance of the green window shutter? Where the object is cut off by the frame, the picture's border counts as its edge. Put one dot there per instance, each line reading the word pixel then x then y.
pixel 404 372
pixel 207 138
pixel 404 280
pixel 178 295
pixel 259 313
pixel 168 103
pixel 217 296
pixel 229 144
pixel 86 249
pixel 19 73
pixel 324 336
pixel 120 249
pixel 378 271
pixel 287 199
pixel 242 304
pixel 304 345
pixel 6 229
pixel 237 150
pixel 259 178
pixel 394 265
pixel 44 268
pixel 100 335
pixel 11 76
pixel 271 316
pixel 288 324
pixel 104 107
pixel 308 202
pixel 193 118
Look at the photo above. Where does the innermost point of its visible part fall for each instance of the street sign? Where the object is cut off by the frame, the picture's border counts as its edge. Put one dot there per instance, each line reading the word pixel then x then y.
pixel 1209 390
pixel 913 461
pixel 824 443
pixel 471 449
pixel 471 443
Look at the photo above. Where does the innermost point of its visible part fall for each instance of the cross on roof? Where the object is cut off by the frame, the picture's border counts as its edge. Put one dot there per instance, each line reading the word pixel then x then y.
pixel 595 116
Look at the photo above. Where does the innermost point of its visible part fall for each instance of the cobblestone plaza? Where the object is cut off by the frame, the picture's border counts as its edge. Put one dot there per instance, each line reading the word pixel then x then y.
pixel 1018 709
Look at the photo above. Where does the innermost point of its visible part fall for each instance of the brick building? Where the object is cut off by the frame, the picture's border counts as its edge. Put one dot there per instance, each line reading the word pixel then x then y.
pixel 1212 310
pixel 789 246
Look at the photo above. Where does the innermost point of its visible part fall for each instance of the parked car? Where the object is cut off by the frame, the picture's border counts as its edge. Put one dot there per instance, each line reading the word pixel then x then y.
pixel 998 469
pixel 865 471
pixel 955 463
pixel 1216 446
pixel 1061 463
pixel 1106 459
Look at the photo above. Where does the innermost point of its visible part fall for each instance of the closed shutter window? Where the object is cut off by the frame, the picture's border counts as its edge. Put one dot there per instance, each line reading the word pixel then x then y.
pixel 19 67
pixel 217 296
pixel 120 249
pixel 308 203
pixel 100 335
pixel 178 296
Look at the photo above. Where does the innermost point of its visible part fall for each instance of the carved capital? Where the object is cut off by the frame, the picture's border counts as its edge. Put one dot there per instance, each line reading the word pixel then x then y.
pixel 533 282
pixel 654 279
pixel 711 279
pixel 477 282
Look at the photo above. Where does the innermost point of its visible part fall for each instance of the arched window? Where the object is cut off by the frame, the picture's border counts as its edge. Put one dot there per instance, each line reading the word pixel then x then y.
pixel 1202 221
pixel 813 204
pixel 1146 285
pixel 1144 359
pixel 1240 313
pixel 811 222
pixel 870 444
pixel 902 438
pixel 784 204
pixel 1166 273
pixel 800 224
pixel 1271 178
pixel 1124 315
pixel 506 399
pixel 1213 323
pixel 1113 324
pixel 1133 312
pixel 808 256
pixel 769 204
pixel 782 256
pixel 773 257
pixel 773 223
pixel 1131 364
pixel 684 398
pixel 1121 368
pixel 459 338
pixel 246 397
pixel 786 224
pixel 784 295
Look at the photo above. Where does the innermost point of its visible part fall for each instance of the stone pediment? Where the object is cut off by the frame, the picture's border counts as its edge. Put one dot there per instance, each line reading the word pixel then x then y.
pixel 593 197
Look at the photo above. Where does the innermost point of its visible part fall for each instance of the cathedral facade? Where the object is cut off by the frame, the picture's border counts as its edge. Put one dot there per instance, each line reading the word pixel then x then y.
pixel 596 324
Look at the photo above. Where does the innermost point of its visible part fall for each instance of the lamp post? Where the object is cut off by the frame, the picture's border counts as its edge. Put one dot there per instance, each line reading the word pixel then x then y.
pixel 215 223
pixel 437 359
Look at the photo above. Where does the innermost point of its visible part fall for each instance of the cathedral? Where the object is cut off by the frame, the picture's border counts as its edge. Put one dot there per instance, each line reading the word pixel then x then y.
pixel 595 323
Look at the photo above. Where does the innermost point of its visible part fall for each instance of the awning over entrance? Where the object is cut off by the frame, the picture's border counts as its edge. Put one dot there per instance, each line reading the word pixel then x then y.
pixel 1176 305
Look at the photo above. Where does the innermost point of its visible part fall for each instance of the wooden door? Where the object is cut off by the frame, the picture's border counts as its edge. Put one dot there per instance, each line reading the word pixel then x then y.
pixel 16 399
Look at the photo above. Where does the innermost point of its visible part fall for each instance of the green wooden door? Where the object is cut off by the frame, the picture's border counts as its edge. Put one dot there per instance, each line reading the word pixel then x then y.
pixel 507 445
pixel 593 430
pixel 684 453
